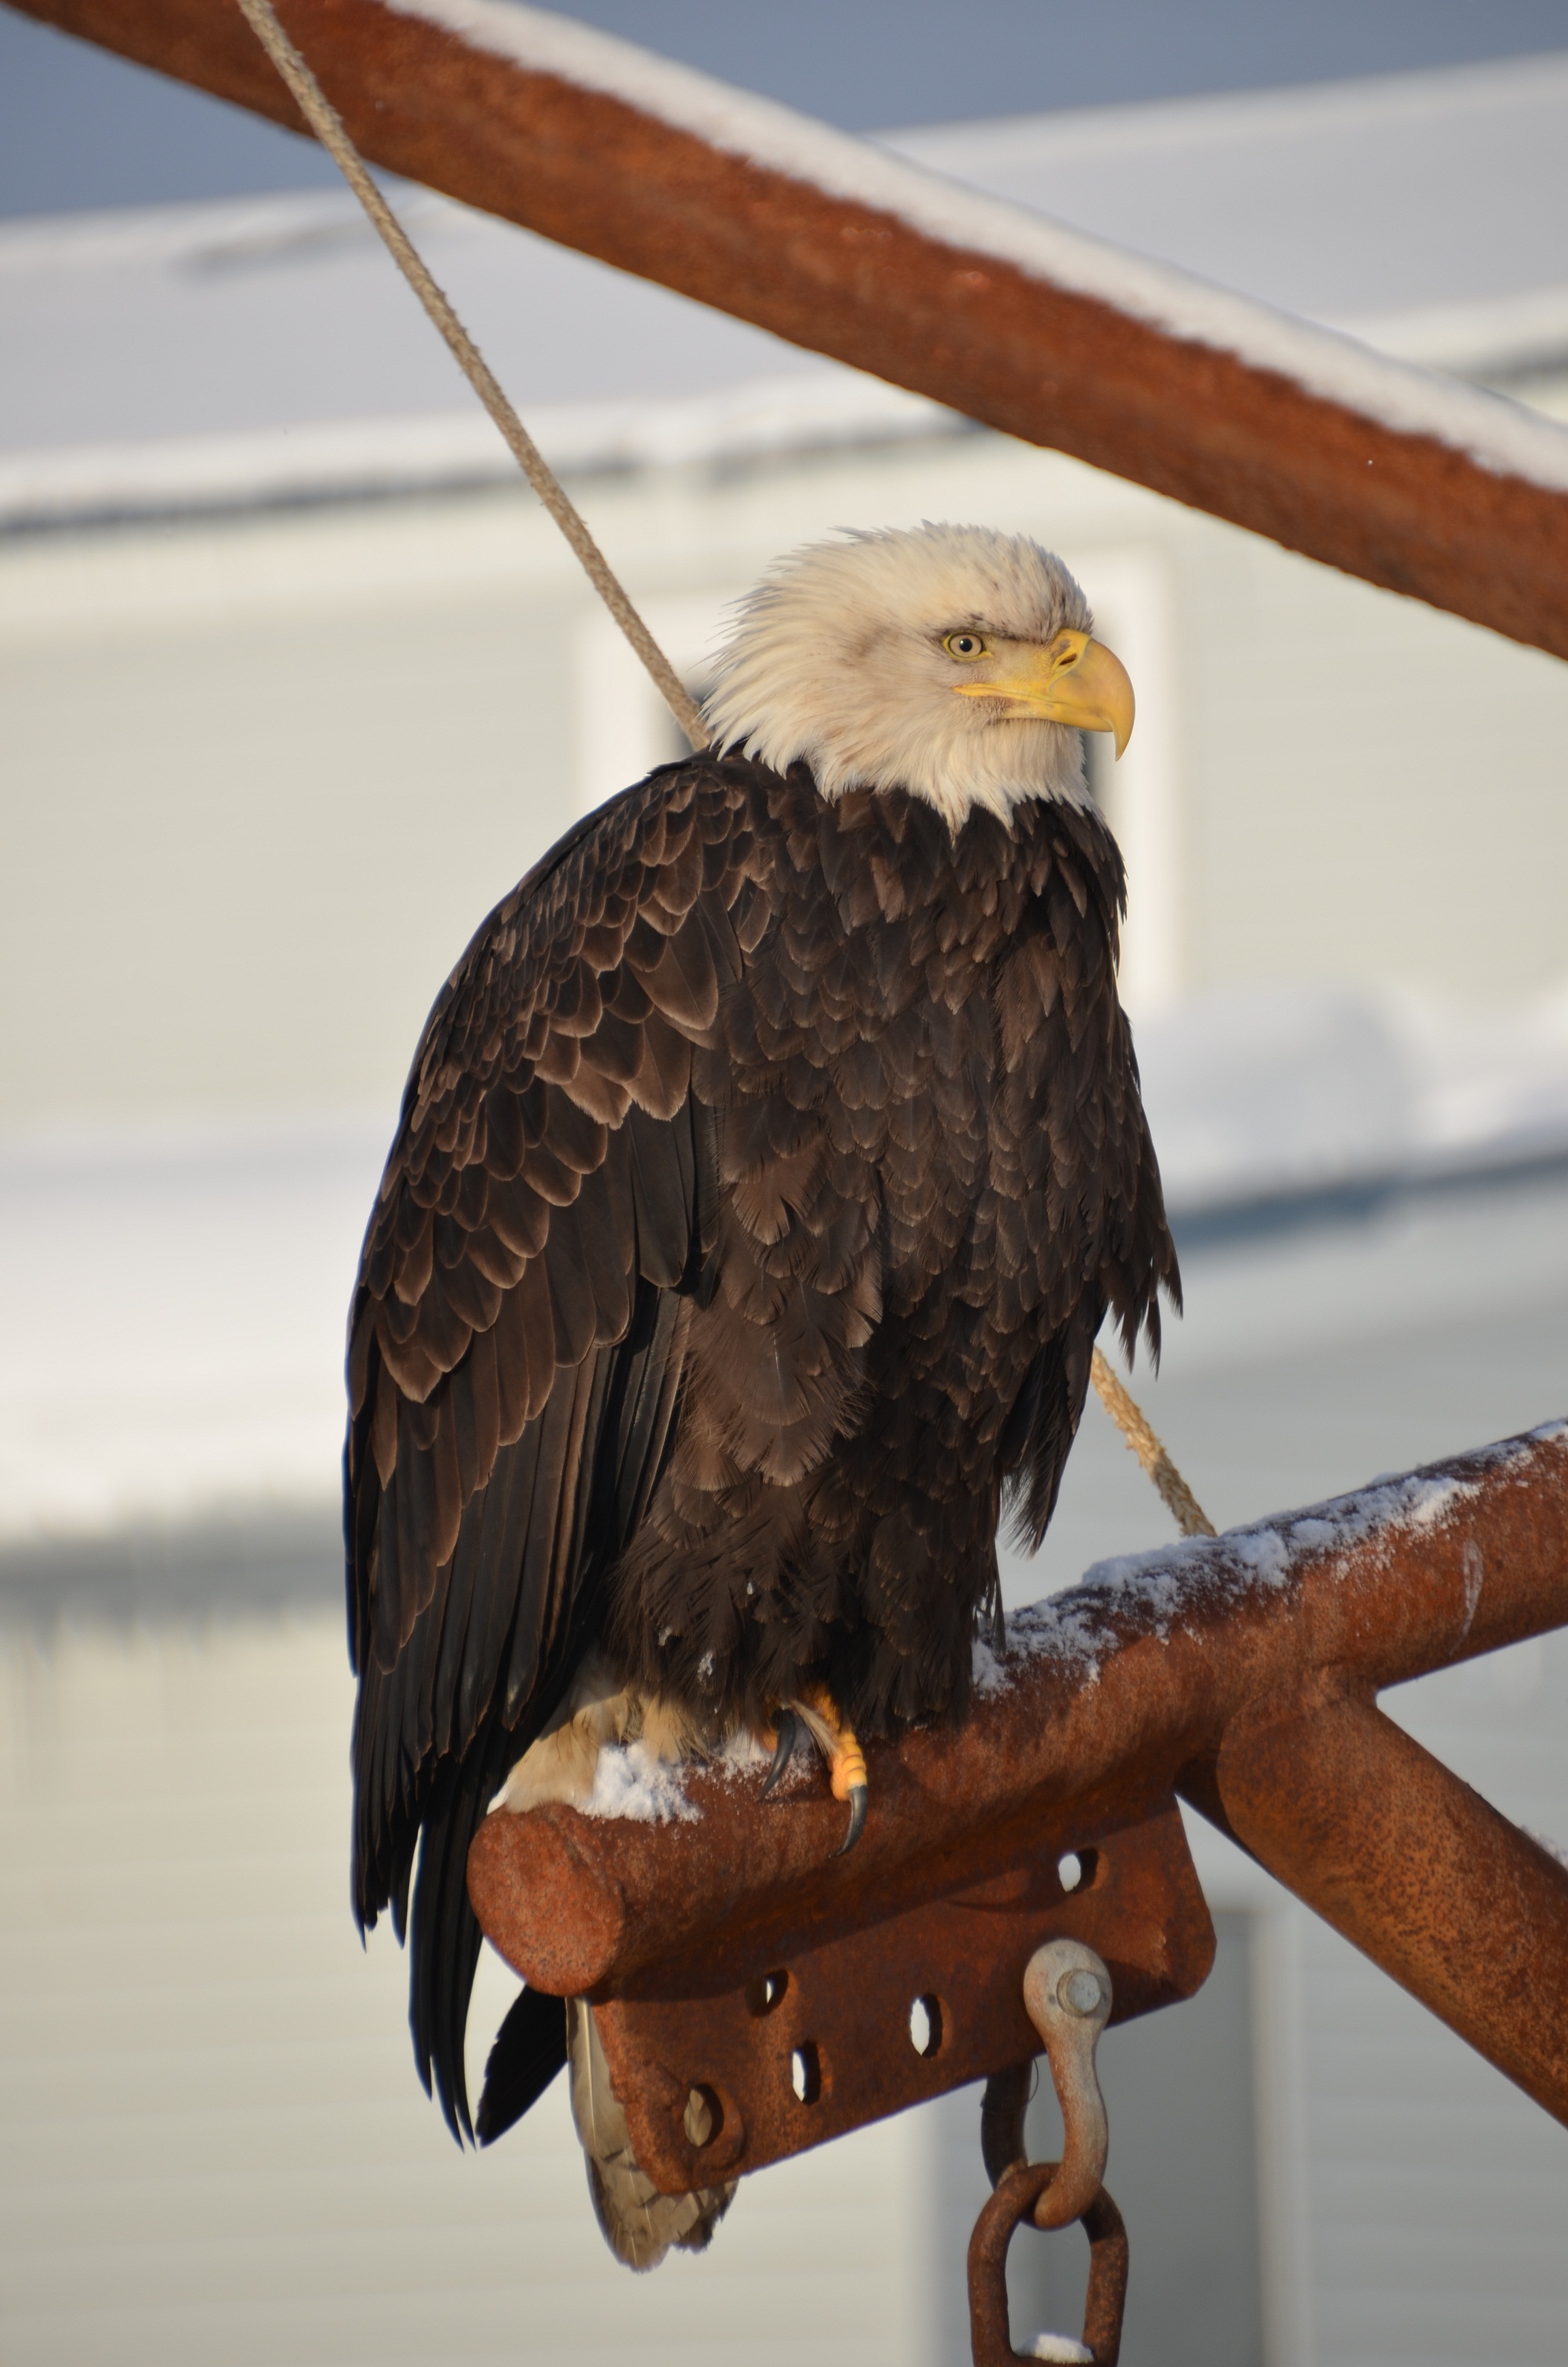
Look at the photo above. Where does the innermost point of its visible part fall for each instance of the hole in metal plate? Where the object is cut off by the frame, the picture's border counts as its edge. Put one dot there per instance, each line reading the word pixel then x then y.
pixel 925 2025
pixel 1077 1870
pixel 765 1992
pixel 703 2116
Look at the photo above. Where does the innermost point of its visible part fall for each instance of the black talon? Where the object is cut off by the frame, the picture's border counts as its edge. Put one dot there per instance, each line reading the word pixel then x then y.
pixel 860 1795
pixel 787 1727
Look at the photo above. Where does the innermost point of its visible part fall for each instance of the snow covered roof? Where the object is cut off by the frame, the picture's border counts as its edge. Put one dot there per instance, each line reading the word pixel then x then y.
pixel 1346 203
pixel 264 350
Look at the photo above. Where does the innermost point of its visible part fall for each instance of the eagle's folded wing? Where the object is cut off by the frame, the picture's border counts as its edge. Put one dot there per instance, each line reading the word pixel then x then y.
pixel 515 1340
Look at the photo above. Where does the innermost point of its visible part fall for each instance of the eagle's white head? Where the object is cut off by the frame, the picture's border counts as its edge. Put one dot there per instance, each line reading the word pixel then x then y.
pixel 953 662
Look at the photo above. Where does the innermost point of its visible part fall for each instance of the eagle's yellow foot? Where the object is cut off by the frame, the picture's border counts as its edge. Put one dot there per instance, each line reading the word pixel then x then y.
pixel 819 1714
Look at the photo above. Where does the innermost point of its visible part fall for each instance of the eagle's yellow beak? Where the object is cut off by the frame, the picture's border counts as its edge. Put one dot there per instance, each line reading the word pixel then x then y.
pixel 1073 680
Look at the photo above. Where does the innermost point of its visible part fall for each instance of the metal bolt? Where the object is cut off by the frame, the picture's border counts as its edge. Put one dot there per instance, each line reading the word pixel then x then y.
pixel 1078 1992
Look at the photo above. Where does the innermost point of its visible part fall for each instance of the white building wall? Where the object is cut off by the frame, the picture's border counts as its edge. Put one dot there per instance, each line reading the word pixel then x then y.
pixel 216 2151
pixel 264 774
pixel 1378 789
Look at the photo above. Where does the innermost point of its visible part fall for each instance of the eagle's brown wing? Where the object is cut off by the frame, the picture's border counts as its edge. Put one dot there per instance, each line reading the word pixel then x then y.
pixel 514 1346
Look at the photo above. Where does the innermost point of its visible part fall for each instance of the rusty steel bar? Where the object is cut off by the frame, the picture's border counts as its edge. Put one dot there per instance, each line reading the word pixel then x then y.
pixel 1464 1909
pixel 1238 1670
pixel 1424 486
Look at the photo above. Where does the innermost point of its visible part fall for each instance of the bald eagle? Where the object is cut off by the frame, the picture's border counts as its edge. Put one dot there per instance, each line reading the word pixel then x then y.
pixel 768 1166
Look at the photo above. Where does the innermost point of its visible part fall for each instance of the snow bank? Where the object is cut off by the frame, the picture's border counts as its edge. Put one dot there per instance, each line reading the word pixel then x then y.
pixel 1270 1092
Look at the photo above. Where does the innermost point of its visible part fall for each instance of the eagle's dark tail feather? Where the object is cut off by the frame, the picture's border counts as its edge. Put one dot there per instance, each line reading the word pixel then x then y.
pixel 530 2048
pixel 445 1935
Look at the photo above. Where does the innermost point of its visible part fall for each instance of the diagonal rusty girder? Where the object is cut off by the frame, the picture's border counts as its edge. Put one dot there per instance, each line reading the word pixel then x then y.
pixel 1429 489
pixel 1240 1672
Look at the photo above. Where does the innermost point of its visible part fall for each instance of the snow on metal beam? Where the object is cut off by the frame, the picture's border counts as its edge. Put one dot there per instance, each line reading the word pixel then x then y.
pixel 1411 481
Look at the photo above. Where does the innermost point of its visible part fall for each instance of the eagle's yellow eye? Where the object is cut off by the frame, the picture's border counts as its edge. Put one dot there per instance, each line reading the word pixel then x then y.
pixel 964 645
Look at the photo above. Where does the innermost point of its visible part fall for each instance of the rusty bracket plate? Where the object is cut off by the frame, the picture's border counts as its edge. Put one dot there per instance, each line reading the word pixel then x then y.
pixel 818 2041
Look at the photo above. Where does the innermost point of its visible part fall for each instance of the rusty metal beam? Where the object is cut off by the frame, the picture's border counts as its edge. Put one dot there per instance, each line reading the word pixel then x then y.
pixel 1428 488
pixel 1385 1843
pixel 1240 1671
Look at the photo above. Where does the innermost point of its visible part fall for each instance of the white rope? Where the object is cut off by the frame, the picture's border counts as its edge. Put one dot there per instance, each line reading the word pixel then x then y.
pixel 324 121
pixel 1189 1515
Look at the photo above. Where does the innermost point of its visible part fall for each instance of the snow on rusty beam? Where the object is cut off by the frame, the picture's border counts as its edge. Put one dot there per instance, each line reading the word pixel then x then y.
pixel 1240 1670
pixel 1426 486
